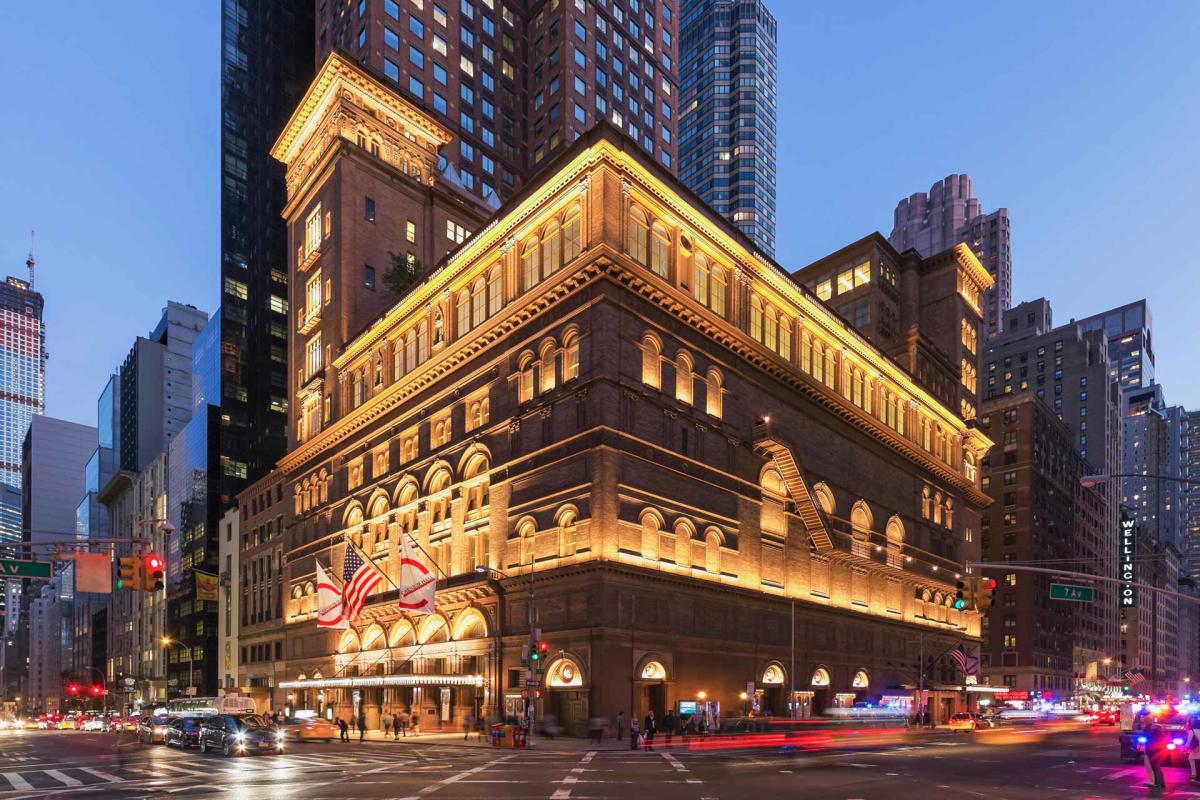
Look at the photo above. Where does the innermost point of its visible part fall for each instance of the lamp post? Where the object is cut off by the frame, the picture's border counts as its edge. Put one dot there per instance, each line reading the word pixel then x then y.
pixel 531 706
pixel 167 641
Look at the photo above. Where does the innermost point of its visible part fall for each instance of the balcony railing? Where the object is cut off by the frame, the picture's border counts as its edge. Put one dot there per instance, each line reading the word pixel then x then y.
pixel 306 323
pixel 311 256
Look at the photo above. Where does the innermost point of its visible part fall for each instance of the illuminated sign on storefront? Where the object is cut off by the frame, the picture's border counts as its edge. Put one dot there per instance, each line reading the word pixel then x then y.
pixel 1127 571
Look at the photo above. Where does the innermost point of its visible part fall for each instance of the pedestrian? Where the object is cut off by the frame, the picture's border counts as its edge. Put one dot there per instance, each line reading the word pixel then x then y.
pixel 595 729
pixel 620 725
pixel 649 728
pixel 343 729
pixel 404 724
pixel 1193 745
pixel 468 725
pixel 1154 755
pixel 362 726
pixel 396 725
pixel 670 723
pixel 416 723
pixel 387 723
pixel 633 734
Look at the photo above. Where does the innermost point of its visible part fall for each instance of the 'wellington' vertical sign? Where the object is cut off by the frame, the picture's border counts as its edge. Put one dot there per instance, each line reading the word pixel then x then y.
pixel 1128 532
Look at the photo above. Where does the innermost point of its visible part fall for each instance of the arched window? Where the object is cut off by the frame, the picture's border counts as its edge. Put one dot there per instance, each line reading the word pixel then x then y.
pixel 895 541
pixel 639 236
pixel 570 357
pixel 712 551
pixel 422 342
pixel 701 278
pixel 358 392
pixel 937 508
pixel 756 319
pixel 572 235
pixel 861 519
pixel 659 251
pixel 684 378
pixel 861 680
pixel 478 301
pixel 651 525
pixel 806 352
pixel 525 533
pixel 462 306
pixel 438 501
pixel 566 532
pixel 830 367
pixel 818 360
pixel 475 492
pixel 546 366
pixel 410 351
pixel 530 273
pixel 820 677
pixel 926 503
pixel 785 338
pixel 525 378
pixel 495 290
pixel 718 290
pixel 948 516
pixel 823 497
pixel 770 331
pixel 651 361
pixel 551 249
pixel 715 404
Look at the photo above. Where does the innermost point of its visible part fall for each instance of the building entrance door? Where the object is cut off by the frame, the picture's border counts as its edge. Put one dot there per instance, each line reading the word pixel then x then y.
pixel 656 699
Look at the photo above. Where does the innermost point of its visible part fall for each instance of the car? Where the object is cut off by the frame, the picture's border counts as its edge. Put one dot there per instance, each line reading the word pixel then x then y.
pixel 308 730
pixel 182 732
pixel 93 724
pixel 962 721
pixel 984 721
pixel 239 734
pixel 1103 717
pixel 152 728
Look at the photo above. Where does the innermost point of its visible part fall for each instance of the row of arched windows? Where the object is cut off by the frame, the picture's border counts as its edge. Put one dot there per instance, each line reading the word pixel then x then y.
pixel 675 545
pixel 537 372
pixel 475 303
pixel 566 521
pixel 770 327
pixel 547 251
pixel 685 376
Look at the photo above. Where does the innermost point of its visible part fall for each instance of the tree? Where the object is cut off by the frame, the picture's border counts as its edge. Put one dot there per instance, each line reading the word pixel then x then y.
pixel 404 273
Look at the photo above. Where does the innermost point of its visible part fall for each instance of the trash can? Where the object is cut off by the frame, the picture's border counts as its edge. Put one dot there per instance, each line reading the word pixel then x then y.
pixel 506 735
pixel 497 734
pixel 519 737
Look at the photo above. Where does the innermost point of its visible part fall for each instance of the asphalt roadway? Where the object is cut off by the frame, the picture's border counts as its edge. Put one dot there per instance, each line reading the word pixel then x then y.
pixel 1076 764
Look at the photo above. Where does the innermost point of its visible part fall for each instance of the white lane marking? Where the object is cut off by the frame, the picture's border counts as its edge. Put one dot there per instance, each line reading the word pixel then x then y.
pixel 571 778
pixel 102 775
pixel 63 777
pixel 679 767
pixel 456 778
pixel 16 780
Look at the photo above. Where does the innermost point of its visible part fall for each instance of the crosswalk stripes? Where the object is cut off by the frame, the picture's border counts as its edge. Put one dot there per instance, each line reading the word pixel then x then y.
pixel 16 780
pixel 104 776
pixel 63 777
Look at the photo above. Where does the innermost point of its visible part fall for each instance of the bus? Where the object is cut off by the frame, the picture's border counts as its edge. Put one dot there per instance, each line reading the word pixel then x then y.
pixel 203 706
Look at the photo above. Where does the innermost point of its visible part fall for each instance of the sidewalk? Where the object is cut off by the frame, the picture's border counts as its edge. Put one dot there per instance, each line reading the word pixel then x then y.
pixel 564 744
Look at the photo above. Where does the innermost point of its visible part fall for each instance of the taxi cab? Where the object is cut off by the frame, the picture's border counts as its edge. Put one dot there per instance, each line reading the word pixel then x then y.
pixel 962 721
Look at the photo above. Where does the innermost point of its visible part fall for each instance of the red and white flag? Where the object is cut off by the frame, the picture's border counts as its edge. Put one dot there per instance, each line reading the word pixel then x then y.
pixel 418 583
pixel 329 602
pixel 359 577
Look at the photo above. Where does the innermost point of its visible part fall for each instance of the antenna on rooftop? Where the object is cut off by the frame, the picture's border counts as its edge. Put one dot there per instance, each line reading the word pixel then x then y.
pixel 30 262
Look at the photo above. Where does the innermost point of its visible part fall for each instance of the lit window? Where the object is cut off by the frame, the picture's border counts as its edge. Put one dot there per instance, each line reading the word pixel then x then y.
pixel 825 289
pixel 845 281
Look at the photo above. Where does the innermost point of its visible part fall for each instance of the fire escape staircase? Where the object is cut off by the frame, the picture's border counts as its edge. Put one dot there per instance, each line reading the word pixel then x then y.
pixel 781 455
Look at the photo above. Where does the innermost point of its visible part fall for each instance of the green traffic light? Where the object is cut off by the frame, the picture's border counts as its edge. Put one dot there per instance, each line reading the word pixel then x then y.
pixel 120 583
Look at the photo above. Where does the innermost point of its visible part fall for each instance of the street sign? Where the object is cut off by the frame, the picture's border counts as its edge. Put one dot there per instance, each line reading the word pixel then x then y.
pixel 1066 591
pixel 25 569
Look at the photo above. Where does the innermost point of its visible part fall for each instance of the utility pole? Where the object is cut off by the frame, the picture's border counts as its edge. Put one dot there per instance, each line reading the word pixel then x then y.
pixel 532 691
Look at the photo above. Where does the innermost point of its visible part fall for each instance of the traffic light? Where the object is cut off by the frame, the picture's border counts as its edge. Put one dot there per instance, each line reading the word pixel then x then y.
pixel 97 690
pixel 129 573
pixel 73 689
pixel 152 573
pixel 960 600
pixel 543 649
pixel 984 589
pixel 535 654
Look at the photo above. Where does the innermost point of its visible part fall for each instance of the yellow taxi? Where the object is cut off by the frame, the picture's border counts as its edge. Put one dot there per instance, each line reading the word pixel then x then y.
pixel 309 729
pixel 962 721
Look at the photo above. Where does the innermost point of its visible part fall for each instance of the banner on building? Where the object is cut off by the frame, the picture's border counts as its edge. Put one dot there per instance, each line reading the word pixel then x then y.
pixel 206 586
pixel 1127 571
pixel 329 602
pixel 418 583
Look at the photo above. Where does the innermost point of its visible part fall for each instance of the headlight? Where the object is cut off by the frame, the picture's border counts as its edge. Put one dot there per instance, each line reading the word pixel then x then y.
pixel 240 738
pixel 280 736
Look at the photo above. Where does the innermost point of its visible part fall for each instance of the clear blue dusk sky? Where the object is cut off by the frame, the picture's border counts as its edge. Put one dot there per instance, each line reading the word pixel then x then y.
pixel 1081 117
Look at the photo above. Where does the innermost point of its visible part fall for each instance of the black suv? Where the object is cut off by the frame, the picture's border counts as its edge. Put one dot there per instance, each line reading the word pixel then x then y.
pixel 239 734
pixel 182 732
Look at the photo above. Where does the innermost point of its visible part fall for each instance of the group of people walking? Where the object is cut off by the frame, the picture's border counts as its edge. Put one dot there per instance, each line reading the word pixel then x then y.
pixel 396 724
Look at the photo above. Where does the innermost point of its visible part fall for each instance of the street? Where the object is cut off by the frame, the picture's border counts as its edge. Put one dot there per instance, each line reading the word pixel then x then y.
pixel 1077 764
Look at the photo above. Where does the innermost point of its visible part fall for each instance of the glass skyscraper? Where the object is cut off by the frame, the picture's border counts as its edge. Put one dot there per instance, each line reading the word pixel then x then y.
pixel 729 75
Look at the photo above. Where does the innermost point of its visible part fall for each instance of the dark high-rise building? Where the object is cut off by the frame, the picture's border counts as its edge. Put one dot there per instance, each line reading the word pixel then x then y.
pixel 727 111
pixel 517 82
pixel 266 64
pixel 950 213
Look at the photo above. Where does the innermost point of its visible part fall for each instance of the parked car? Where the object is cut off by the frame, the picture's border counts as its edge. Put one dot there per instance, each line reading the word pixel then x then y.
pixel 152 728
pixel 239 734
pixel 183 731
pixel 307 730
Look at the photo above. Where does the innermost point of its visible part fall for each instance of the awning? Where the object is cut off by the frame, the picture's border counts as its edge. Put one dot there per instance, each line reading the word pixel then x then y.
pixel 365 681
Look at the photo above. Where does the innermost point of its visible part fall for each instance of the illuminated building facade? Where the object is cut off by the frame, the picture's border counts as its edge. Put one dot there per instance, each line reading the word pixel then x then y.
pixel 662 440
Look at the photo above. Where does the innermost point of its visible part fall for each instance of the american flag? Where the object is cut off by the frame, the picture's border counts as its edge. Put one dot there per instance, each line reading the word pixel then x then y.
pixel 960 657
pixel 1134 676
pixel 359 577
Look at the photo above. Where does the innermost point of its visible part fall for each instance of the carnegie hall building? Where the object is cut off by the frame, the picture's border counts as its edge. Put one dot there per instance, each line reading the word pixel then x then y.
pixel 600 401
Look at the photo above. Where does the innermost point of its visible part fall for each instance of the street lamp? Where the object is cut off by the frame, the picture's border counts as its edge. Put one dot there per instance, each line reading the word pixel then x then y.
pixel 167 641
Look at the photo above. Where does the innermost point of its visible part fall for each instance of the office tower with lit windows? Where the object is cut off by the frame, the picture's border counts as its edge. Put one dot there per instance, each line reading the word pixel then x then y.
pixel 266 64
pixel 1129 330
pixel 1191 471
pixel 950 213
pixel 517 82
pixel 727 111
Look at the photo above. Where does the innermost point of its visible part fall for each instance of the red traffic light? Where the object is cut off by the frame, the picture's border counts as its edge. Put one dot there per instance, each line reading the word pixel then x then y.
pixel 73 688
pixel 97 690
pixel 543 647
pixel 153 566
pixel 154 562
pixel 989 584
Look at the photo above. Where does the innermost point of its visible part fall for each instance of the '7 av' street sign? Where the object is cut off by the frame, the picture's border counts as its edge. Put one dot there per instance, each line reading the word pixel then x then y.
pixel 10 567
pixel 1066 591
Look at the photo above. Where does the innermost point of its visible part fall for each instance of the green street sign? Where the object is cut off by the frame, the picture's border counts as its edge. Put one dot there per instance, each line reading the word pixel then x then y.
pixel 1066 591
pixel 12 568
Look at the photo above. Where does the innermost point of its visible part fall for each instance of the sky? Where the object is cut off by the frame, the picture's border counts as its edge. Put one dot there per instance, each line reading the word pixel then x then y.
pixel 1079 117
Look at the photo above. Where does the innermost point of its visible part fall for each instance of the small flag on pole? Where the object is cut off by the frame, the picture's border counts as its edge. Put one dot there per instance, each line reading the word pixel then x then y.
pixel 418 584
pixel 359 577
pixel 1134 676
pixel 960 657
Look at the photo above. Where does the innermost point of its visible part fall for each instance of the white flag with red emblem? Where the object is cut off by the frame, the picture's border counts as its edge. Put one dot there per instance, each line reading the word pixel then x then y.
pixel 329 602
pixel 418 583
